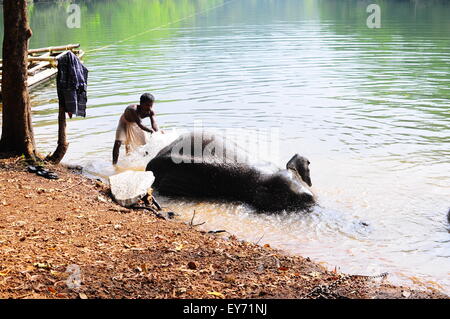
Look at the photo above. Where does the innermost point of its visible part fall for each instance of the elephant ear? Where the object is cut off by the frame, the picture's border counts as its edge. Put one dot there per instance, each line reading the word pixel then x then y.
pixel 292 163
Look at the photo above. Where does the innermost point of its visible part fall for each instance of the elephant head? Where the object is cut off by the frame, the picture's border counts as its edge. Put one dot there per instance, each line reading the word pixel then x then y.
pixel 300 165
pixel 286 189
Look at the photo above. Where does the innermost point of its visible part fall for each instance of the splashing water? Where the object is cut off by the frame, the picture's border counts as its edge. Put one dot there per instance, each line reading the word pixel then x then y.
pixel 136 160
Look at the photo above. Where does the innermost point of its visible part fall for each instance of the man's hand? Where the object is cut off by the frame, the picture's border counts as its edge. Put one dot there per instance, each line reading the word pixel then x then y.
pixel 145 128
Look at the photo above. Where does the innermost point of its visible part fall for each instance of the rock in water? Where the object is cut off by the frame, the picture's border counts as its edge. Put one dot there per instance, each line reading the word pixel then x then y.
pixel 129 187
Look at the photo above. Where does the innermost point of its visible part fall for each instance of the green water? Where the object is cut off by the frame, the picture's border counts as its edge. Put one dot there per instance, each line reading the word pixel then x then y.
pixel 370 108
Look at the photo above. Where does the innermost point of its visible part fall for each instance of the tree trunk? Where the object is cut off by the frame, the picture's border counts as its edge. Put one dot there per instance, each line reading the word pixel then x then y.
pixel 62 147
pixel 17 131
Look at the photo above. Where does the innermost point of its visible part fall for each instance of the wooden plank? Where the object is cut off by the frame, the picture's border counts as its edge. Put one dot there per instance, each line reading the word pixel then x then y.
pixel 53 49
pixel 48 51
pixel 46 68
pixel 39 65
pixel 39 58
pixel 41 77
pixel 51 59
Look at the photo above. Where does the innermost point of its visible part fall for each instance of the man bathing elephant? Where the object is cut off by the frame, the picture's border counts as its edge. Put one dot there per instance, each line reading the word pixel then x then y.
pixel 205 165
pixel 130 130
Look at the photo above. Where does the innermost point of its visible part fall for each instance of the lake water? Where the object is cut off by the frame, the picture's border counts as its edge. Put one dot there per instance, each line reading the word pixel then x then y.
pixel 370 108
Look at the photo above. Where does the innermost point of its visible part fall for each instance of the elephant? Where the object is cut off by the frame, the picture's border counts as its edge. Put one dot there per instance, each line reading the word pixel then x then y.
pixel 206 165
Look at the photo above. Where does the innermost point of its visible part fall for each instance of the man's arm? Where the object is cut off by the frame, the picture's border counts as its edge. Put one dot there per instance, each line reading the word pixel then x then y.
pixel 115 153
pixel 153 121
pixel 136 119
pixel 144 127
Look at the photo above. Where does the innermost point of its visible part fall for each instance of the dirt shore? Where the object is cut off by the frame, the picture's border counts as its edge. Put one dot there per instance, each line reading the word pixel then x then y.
pixel 66 239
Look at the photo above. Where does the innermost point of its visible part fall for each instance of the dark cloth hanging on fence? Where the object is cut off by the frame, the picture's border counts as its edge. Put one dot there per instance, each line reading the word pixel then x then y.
pixel 71 84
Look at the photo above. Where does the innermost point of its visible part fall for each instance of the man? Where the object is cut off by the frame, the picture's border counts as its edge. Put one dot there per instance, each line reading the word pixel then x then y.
pixel 130 130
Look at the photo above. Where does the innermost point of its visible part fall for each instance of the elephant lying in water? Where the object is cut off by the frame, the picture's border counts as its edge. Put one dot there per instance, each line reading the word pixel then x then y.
pixel 211 167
